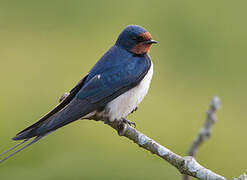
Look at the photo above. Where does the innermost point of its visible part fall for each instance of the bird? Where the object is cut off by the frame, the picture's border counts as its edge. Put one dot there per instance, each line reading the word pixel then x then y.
pixel 112 89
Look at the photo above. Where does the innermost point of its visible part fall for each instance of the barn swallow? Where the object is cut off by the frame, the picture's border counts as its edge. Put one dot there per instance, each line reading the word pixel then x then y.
pixel 112 89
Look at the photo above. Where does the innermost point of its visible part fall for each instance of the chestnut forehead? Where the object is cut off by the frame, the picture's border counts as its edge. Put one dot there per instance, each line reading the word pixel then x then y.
pixel 146 35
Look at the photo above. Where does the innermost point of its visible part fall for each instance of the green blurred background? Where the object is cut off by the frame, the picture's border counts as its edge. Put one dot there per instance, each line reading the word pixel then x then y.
pixel 47 46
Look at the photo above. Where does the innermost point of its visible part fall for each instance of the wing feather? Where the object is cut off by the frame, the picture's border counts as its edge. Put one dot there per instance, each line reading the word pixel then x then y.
pixel 60 106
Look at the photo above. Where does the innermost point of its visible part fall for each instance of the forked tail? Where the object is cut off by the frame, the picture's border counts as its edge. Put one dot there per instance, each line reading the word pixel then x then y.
pixel 20 149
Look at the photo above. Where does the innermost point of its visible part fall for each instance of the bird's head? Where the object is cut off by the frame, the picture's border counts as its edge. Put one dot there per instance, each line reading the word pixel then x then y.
pixel 135 39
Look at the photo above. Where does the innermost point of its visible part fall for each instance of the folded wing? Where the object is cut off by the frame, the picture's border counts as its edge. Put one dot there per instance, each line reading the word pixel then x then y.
pixel 90 95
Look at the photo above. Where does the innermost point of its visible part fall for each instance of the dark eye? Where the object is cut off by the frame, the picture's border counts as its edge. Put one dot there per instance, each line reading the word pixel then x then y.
pixel 134 38
pixel 138 39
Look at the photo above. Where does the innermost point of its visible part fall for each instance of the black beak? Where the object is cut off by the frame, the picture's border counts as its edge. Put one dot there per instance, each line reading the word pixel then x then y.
pixel 150 42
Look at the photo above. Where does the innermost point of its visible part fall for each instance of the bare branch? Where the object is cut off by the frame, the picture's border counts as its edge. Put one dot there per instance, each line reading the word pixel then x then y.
pixel 205 131
pixel 186 165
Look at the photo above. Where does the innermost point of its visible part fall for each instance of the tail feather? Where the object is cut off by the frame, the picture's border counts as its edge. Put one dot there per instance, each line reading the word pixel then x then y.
pixel 76 109
pixel 32 130
pixel 15 146
pixel 23 135
pixel 25 146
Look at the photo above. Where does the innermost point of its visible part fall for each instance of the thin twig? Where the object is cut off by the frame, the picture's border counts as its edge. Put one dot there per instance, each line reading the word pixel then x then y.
pixel 186 165
pixel 205 131
pixel 241 177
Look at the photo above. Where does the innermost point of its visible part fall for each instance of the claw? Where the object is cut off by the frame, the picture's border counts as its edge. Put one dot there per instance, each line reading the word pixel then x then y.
pixel 122 126
pixel 134 110
pixel 129 122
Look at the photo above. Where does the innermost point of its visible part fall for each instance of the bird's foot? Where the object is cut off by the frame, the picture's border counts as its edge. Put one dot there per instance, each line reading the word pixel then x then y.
pixel 129 122
pixel 122 126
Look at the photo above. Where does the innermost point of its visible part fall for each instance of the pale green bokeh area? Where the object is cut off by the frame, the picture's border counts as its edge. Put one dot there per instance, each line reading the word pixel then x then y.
pixel 47 46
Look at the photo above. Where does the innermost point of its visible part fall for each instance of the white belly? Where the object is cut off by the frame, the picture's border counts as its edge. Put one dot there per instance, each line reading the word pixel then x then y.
pixel 124 104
